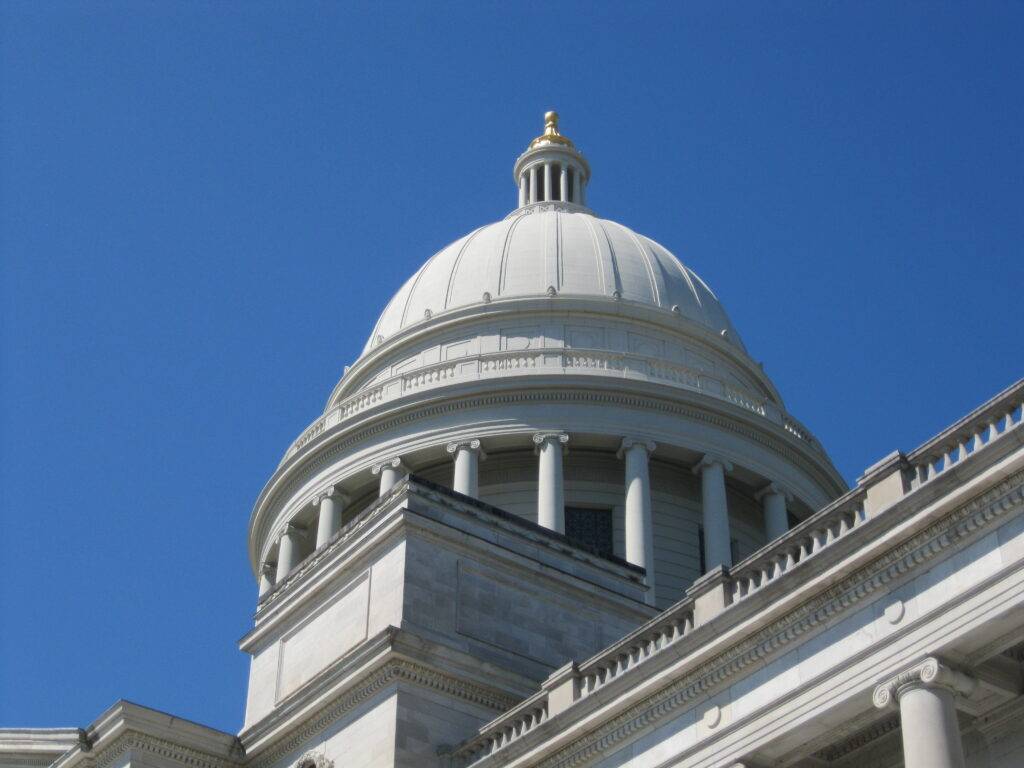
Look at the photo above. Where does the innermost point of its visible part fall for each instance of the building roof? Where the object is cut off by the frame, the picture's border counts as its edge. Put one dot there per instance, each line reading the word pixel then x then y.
pixel 554 249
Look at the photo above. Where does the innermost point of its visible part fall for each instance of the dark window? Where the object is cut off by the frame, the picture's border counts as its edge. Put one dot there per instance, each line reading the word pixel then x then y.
pixel 568 192
pixel 590 528
pixel 540 184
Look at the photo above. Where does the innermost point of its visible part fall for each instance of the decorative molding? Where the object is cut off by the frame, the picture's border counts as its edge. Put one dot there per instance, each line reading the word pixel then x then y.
pixel 394 462
pixel 928 673
pixel 182 755
pixel 912 555
pixel 860 739
pixel 394 671
pixel 629 442
pixel 469 445
pixel 771 488
pixel 710 459
pixel 544 437
pixel 314 759
pixel 330 492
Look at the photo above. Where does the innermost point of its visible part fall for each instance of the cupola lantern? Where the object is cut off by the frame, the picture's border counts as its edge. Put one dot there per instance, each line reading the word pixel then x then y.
pixel 551 170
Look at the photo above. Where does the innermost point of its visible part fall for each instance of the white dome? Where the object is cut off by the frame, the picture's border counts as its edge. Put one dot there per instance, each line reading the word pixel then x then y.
pixel 558 250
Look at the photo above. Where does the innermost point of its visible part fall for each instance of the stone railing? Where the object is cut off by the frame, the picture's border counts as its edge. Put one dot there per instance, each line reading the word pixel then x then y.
pixel 573 683
pixel 997 418
pixel 499 733
pixel 803 542
pixel 973 432
pixel 668 628
pixel 582 361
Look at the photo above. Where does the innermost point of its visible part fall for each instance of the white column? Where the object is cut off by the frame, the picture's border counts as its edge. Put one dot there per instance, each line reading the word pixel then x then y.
pixel 390 471
pixel 331 503
pixel 638 514
pixel 773 503
pixel 533 184
pixel 715 511
pixel 547 181
pixel 467 454
pixel 524 189
pixel 550 489
pixel 926 694
pixel 288 550
pixel 563 184
pixel 266 577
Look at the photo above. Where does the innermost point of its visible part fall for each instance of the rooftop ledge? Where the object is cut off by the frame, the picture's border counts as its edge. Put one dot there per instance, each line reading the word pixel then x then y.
pixel 412 487
pixel 889 490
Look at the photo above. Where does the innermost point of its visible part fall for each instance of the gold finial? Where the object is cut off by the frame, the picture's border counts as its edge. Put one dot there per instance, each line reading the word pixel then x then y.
pixel 551 134
pixel 551 123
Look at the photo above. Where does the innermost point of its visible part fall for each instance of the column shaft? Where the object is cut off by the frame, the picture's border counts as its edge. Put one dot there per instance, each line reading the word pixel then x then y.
pixel 550 490
pixel 287 552
pixel 715 512
pixel 547 181
pixel 266 578
pixel 931 735
pixel 776 522
pixel 389 477
pixel 639 515
pixel 329 520
pixel 467 468
pixel 563 185
pixel 523 190
pixel 533 185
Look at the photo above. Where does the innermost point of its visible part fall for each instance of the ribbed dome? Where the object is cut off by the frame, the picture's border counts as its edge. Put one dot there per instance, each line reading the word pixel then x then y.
pixel 563 252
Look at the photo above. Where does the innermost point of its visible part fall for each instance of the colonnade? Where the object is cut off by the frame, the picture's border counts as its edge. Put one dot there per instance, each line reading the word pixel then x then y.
pixel 549 448
pixel 553 181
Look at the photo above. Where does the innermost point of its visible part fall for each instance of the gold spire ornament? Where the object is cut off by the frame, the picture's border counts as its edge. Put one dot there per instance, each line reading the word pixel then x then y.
pixel 551 134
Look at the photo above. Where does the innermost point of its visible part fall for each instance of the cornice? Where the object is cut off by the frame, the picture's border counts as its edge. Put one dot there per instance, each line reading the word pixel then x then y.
pixel 392 671
pixel 182 755
pixel 306 464
pixel 951 531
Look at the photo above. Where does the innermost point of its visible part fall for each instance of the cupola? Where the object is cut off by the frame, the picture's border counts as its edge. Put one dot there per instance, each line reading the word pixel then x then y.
pixel 551 170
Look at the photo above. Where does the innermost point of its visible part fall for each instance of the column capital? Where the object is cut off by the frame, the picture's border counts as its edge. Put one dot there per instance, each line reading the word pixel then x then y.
pixel 268 569
pixel 773 488
pixel 395 462
pixel 635 442
pixel 472 444
pixel 544 437
pixel 930 673
pixel 710 459
pixel 330 492
pixel 292 529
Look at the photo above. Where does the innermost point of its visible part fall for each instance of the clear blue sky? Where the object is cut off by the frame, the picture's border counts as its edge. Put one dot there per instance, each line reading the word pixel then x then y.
pixel 204 206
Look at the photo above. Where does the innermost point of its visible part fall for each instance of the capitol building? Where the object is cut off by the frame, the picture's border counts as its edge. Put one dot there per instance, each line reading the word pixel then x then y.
pixel 556 516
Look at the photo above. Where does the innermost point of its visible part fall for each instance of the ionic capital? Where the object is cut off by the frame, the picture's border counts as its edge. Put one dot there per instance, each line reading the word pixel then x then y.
pixel 330 492
pixel 550 437
pixel 293 530
pixel 930 673
pixel 466 445
pixel 773 489
pixel 393 463
pixel 709 460
pixel 635 442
